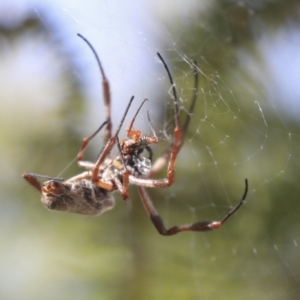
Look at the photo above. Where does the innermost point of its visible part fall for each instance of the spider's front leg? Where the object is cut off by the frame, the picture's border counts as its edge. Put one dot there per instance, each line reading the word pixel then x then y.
pixel 102 171
pixel 90 166
pixel 85 143
pixel 199 226
pixel 171 154
pixel 106 91
pixel 165 157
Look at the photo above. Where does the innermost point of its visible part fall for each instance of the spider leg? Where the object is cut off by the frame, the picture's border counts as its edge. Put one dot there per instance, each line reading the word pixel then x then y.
pixel 106 91
pixel 199 226
pixel 85 143
pixel 177 142
pixel 123 187
pixel 136 134
pixel 83 175
pixel 109 139
pixel 162 160
pixel 174 149
pixel 108 146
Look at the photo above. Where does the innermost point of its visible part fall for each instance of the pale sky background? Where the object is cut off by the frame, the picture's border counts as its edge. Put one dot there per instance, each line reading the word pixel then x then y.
pixel 127 34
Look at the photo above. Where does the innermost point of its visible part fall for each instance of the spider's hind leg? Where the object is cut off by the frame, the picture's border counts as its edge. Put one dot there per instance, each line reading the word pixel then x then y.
pixel 199 226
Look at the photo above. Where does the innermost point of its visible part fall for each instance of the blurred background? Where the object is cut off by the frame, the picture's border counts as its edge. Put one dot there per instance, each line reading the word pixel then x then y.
pixel 246 124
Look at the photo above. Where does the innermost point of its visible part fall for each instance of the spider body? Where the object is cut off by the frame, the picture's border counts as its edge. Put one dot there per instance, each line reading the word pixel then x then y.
pixel 90 192
pixel 131 150
pixel 140 166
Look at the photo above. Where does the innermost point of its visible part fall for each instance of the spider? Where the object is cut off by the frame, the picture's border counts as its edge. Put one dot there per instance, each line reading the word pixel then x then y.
pixel 90 193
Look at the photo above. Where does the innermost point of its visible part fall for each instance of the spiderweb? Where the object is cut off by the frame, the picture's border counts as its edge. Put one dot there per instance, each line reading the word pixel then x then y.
pixel 245 125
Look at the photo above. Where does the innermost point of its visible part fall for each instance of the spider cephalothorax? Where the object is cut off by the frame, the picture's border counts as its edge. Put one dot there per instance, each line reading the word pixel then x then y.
pixel 90 192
